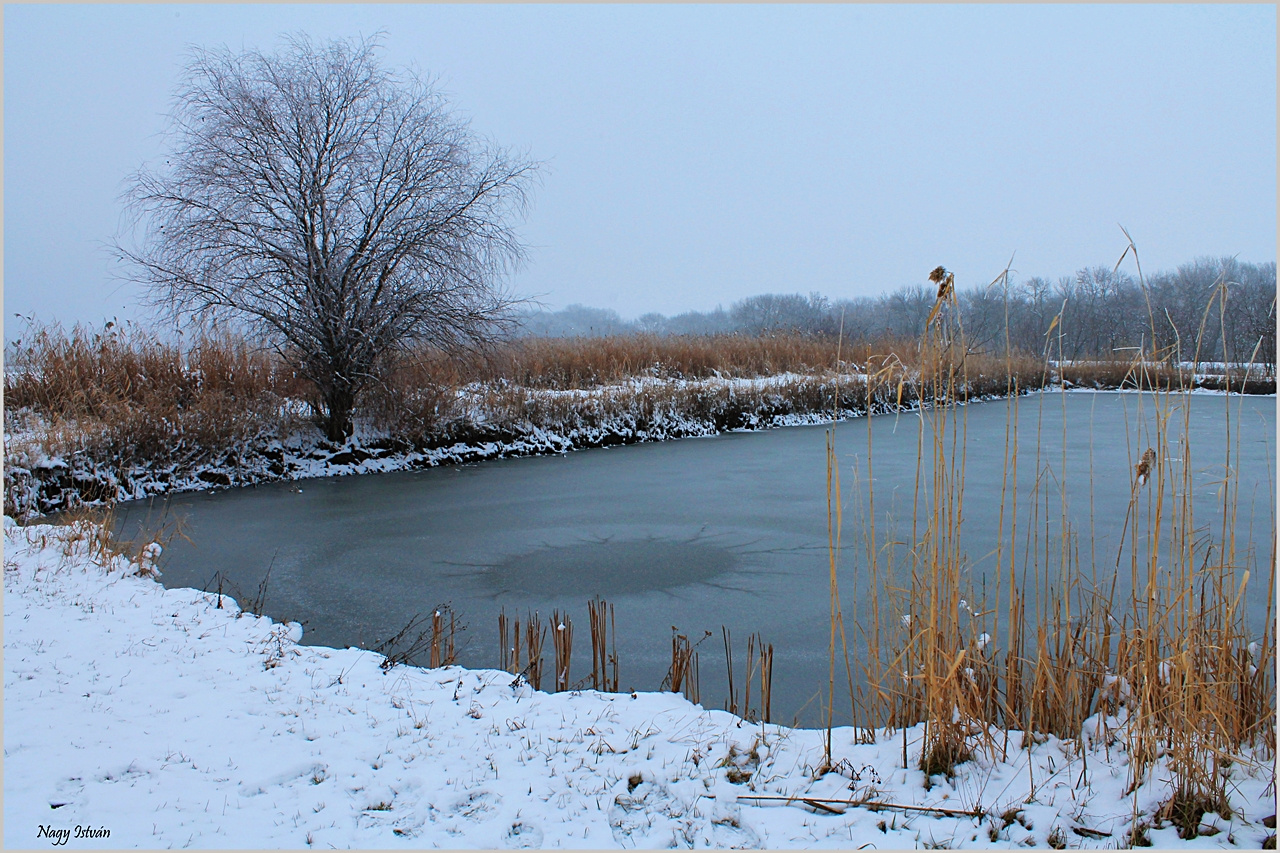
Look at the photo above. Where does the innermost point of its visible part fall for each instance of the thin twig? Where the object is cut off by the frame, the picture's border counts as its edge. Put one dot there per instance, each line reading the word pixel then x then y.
pixel 872 805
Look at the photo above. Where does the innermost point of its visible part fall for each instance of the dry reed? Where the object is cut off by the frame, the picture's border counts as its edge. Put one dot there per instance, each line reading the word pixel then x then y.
pixel 604 663
pixel 684 674
pixel 535 633
pixel 562 647
pixel 529 641
pixel 731 700
pixel 1169 671
pixel 764 666
pixel 443 650
pixel 438 639
pixel 506 651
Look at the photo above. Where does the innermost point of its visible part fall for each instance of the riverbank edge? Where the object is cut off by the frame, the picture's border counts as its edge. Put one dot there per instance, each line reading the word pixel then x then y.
pixel 37 485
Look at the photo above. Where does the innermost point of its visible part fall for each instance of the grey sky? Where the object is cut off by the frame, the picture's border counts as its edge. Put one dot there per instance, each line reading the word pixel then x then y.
pixel 699 154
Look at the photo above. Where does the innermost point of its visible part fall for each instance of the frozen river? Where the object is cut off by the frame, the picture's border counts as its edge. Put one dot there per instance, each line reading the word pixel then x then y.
pixel 698 533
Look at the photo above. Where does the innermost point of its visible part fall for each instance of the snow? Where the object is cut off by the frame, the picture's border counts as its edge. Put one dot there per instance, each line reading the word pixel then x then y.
pixel 170 718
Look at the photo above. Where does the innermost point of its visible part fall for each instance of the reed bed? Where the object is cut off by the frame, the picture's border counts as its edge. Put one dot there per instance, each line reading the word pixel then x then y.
pixel 559 363
pixel 1126 374
pixel 1169 671
pixel 683 675
pixel 123 397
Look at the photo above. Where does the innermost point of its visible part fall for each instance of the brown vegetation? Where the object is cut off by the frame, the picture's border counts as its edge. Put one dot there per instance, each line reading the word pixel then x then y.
pixel 1168 672
pixel 1127 374
pixel 96 416
pixel 124 397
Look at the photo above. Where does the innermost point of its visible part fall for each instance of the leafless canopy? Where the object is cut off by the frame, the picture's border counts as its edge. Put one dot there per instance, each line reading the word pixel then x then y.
pixel 340 209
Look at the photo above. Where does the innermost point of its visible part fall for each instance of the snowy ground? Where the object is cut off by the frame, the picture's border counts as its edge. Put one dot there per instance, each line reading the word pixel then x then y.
pixel 160 718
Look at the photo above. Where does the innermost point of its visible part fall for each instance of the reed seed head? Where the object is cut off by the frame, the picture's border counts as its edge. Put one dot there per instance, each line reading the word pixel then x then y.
pixel 1143 469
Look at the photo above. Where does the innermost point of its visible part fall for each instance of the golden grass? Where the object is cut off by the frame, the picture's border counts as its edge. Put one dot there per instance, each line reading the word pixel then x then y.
pixel 122 397
pixel 560 363
pixel 1168 672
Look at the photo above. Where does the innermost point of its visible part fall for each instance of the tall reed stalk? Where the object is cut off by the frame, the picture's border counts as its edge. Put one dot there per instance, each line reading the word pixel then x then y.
pixel 535 634
pixel 1169 671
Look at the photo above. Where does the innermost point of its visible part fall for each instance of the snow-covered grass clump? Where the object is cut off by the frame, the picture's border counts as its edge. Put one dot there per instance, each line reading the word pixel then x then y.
pixel 144 717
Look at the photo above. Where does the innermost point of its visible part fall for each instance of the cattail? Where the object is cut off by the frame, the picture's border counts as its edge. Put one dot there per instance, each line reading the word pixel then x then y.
pixel 946 288
pixel 1144 466
pixel 946 281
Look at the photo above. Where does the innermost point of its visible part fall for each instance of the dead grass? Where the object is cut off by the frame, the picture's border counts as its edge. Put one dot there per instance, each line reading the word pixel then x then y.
pixel 94 416
pixel 122 394
pixel 1170 672
pixel 1126 374
pixel 105 405
pixel 560 363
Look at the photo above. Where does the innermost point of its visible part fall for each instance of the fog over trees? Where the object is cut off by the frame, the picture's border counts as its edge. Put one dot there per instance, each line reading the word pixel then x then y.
pixel 1104 314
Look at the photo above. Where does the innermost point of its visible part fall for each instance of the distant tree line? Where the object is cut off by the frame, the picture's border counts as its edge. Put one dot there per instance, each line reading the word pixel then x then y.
pixel 1101 312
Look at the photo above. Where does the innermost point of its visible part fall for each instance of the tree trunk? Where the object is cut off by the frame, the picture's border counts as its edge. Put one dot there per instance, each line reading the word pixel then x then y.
pixel 336 419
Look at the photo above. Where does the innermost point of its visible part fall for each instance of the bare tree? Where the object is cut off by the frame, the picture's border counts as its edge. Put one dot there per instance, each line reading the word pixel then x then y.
pixel 770 313
pixel 339 208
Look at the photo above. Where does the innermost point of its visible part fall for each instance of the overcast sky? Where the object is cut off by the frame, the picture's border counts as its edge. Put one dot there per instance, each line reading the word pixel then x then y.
pixel 699 154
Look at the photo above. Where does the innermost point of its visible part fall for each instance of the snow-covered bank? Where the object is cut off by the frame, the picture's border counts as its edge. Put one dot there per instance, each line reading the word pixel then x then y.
pixel 483 422
pixel 165 720
pixel 50 466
